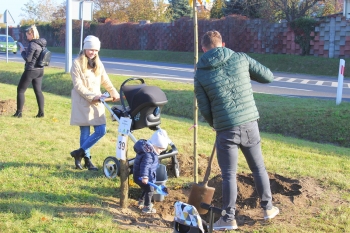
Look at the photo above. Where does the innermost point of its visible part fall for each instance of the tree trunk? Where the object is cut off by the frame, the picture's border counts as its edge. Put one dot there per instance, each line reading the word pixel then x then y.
pixel 124 182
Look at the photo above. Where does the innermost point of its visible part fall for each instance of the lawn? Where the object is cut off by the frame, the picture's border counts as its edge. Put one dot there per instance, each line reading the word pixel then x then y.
pixel 42 192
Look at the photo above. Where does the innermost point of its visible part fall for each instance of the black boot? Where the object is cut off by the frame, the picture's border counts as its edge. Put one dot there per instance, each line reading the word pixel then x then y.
pixel 78 155
pixel 89 165
pixel 17 114
pixel 40 114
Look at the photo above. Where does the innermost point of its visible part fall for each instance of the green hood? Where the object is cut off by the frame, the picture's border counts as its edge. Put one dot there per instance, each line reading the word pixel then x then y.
pixel 214 58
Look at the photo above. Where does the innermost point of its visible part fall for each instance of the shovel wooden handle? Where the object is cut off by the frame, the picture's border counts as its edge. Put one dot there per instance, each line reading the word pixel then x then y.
pixel 207 173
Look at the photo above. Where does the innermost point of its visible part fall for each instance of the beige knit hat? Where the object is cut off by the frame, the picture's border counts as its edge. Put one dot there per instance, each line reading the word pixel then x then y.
pixel 160 139
pixel 92 42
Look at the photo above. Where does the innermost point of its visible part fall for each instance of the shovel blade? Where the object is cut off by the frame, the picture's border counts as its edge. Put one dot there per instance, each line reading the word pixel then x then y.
pixel 162 190
pixel 200 194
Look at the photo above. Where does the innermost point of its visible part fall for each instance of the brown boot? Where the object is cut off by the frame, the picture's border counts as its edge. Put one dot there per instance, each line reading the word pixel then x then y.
pixel 78 155
pixel 89 165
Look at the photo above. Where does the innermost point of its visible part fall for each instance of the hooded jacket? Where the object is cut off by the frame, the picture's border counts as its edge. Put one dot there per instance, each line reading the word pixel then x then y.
pixel 146 161
pixel 32 53
pixel 223 88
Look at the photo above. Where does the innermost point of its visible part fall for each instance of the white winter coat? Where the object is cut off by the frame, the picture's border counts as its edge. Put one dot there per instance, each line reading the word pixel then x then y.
pixel 85 88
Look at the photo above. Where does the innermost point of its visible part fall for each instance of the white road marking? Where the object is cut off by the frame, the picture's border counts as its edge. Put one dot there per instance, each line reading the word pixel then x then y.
pixel 124 70
pixel 335 84
pixel 291 80
pixel 166 74
pixel 151 66
pixel 319 83
pixel 155 77
pixel 305 81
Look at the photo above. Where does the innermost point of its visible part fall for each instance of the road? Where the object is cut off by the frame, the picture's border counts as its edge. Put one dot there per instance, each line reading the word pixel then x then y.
pixel 284 84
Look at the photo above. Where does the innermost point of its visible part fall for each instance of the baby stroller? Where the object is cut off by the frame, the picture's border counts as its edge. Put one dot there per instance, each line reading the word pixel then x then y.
pixel 144 108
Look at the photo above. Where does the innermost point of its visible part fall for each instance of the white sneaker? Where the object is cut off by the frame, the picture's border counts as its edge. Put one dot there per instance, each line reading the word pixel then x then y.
pixel 221 225
pixel 269 214
pixel 149 209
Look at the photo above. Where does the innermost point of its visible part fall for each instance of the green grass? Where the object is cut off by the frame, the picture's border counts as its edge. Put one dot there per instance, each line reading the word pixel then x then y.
pixel 41 192
pixel 276 62
pixel 319 121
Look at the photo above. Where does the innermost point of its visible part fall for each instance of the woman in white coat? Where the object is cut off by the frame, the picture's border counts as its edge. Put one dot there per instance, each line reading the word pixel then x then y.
pixel 88 74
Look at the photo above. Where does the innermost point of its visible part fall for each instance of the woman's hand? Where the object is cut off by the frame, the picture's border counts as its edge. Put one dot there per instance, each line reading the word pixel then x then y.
pixel 115 99
pixel 96 99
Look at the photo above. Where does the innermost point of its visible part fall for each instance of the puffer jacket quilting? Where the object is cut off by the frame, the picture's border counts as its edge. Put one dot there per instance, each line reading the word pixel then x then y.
pixel 145 162
pixel 32 53
pixel 223 87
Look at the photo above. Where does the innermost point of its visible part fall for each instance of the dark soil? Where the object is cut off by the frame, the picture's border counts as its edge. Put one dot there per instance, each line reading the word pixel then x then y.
pixel 7 107
pixel 297 199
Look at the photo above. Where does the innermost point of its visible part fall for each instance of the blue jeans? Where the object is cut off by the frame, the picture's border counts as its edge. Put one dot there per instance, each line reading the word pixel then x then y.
pixel 245 137
pixel 87 140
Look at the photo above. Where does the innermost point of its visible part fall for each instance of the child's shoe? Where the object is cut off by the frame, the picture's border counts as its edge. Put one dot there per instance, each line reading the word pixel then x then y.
pixel 149 209
pixel 141 204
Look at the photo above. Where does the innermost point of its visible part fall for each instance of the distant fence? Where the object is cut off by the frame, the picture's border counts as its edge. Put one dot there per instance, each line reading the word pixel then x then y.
pixel 332 36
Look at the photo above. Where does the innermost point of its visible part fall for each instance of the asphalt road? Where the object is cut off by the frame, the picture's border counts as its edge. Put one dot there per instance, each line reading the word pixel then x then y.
pixel 285 84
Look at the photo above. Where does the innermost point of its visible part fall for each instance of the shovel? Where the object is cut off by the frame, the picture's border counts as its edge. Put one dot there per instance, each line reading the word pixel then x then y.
pixel 201 193
pixel 160 189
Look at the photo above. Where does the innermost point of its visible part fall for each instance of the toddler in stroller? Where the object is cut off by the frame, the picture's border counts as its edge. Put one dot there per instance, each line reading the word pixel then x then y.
pixel 143 107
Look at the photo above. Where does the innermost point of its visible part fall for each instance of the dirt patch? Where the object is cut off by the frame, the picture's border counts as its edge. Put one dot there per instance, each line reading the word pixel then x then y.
pixel 7 107
pixel 289 195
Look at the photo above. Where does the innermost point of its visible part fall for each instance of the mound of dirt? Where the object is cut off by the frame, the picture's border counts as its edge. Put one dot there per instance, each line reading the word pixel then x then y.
pixel 289 195
pixel 7 107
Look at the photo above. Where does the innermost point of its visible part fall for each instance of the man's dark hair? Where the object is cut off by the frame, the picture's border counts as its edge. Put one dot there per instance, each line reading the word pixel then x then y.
pixel 211 39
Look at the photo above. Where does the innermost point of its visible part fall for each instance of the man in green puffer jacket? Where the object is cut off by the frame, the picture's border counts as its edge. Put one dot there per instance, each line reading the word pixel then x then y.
pixel 225 99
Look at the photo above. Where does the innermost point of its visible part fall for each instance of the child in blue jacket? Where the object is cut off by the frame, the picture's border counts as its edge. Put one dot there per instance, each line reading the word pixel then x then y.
pixel 146 164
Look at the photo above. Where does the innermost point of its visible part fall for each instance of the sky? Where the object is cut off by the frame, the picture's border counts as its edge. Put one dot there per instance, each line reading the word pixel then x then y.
pixel 14 7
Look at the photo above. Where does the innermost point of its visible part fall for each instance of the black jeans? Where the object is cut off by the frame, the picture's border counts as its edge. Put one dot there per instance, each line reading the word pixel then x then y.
pixel 35 77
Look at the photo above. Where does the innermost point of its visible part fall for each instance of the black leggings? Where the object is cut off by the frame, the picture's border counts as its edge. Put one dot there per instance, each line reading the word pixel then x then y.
pixel 35 77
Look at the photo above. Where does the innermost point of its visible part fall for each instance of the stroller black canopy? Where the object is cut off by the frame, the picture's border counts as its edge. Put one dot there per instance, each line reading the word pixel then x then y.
pixel 140 96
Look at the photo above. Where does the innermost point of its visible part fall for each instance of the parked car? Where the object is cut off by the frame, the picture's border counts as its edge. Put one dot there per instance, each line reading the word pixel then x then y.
pixel 12 44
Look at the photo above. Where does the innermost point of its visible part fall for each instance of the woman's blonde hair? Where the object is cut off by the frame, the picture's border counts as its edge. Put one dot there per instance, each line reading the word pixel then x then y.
pixel 83 60
pixel 33 31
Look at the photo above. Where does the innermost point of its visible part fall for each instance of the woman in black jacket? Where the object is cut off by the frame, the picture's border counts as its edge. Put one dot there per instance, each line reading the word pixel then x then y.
pixel 32 72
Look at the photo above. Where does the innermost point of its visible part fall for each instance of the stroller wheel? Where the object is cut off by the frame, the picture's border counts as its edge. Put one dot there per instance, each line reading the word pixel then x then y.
pixel 111 167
